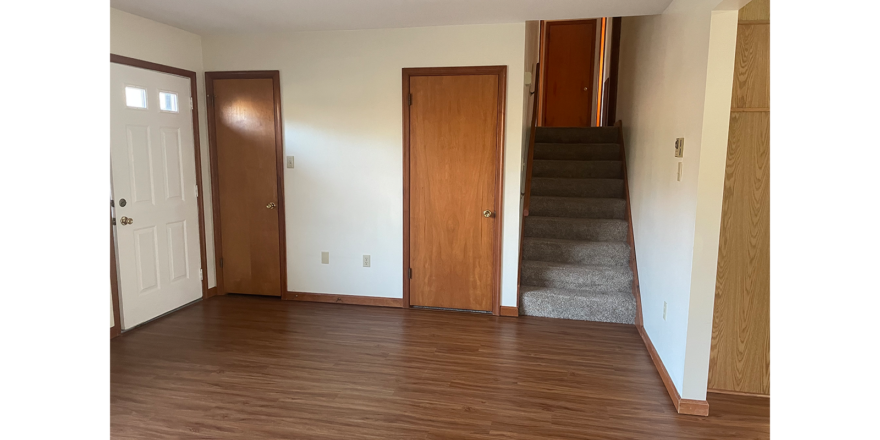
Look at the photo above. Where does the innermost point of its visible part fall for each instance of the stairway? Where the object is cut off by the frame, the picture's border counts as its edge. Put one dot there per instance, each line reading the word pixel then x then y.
pixel 575 251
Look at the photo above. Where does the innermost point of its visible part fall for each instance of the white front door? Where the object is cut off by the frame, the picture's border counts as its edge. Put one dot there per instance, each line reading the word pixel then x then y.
pixel 154 185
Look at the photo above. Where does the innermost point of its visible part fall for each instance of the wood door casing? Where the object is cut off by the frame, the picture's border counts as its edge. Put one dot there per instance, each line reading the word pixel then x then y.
pixel 247 174
pixel 454 127
pixel 128 61
pixel 116 328
pixel 568 76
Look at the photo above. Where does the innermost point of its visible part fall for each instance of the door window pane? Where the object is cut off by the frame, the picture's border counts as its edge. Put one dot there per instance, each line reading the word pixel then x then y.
pixel 135 97
pixel 168 101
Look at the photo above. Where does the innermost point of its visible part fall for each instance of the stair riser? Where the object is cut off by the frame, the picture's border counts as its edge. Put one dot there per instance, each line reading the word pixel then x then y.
pixel 600 309
pixel 577 278
pixel 576 208
pixel 578 169
pixel 576 135
pixel 559 228
pixel 596 253
pixel 592 188
pixel 577 152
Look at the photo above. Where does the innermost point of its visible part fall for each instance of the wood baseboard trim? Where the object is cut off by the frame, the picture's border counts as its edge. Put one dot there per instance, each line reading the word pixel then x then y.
pixel 115 331
pixel 737 393
pixel 682 406
pixel 212 291
pixel 693 407
pixel 343 299
pixel 509 311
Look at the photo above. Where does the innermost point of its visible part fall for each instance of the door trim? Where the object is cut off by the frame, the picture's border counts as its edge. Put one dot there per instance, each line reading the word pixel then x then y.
pixel 275 76
pixel 193 90
pixel 501 73
pixel 114 287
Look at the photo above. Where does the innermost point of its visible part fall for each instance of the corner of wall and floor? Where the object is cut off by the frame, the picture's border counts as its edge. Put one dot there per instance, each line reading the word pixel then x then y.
pixel 675 223
pixel 372 144
pixel 681 88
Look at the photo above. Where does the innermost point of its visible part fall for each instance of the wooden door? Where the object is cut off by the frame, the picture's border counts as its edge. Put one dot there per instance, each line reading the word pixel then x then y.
pixel 454 163
pixel 568 79
pixel 247 144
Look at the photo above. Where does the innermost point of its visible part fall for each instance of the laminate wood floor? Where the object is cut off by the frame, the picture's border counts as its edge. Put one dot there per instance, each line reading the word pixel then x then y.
pixel 237 367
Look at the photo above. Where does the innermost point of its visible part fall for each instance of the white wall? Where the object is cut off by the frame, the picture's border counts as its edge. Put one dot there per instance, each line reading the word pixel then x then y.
pixel 665 61
pixel 341 105
pixel 147 40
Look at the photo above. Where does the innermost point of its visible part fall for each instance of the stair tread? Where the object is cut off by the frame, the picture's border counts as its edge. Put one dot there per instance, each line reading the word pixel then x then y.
pixel 603 144
pixel 573 266
pixel 577 220
pixel 525 289
pixel 606 200
pixel 616 179
pixel 593 305
pixel 574 242
pixel 577 134
pixel 579 160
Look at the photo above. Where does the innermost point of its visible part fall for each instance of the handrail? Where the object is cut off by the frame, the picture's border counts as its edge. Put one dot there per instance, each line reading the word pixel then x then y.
pixel 531 153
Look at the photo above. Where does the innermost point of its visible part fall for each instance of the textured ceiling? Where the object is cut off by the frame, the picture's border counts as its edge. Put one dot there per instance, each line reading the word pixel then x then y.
pixel 206 17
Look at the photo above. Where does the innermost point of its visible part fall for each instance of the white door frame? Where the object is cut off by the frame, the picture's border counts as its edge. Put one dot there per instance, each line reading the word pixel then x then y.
pixel 119 59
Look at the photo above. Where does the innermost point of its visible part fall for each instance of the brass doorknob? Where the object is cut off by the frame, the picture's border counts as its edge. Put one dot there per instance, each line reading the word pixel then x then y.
pixel 271 205
pixel 487 213
pixel 126 220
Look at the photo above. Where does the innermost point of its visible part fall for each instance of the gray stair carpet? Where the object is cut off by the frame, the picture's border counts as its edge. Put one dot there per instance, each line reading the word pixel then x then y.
pixel 575 250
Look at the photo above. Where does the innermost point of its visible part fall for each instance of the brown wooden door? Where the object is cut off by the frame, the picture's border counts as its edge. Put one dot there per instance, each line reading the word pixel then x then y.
pixel 454 159
pixel 244 121
pixel 568 79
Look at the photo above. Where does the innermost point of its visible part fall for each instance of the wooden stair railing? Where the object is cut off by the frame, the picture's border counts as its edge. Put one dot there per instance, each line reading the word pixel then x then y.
pixel 531 157
pixel 528 185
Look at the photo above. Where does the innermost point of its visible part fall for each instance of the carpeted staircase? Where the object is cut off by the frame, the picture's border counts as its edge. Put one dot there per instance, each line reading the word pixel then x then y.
pixel 575 251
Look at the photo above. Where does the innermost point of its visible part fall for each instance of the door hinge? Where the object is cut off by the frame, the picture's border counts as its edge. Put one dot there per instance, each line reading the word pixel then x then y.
pixel 221 263
pixel 113 221
pixel 200 274
pixel 211 100
pixel 190 103
pixel 196 190
pixel 410 273
pixel 410 99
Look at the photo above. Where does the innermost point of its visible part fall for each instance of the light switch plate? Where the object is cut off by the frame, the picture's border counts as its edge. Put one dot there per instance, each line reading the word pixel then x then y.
pixel 528 78
pixel 664 310
pixel 325 257
pixel 289 161
pixel 679 171
pixel 366 261
pixel 679 147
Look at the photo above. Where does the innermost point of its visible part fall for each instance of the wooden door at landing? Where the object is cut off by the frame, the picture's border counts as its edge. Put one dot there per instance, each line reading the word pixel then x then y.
pixel 455 123
pixel 568 76
pixel 246 143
